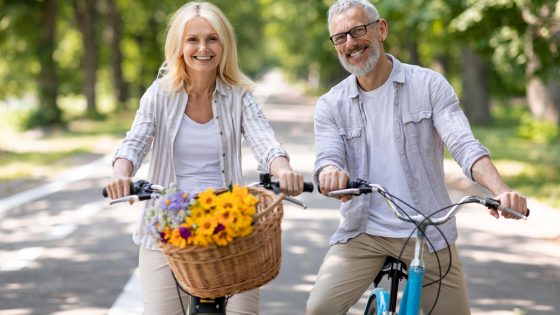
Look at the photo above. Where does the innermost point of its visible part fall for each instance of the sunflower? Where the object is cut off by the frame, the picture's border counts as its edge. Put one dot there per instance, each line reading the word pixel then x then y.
pixel 227 215
pixel 222 238
pixel 207 225
pixel 207 199
pixel 177 239
pixel 199 240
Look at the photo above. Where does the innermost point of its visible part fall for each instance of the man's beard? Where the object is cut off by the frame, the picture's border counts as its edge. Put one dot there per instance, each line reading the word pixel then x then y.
pixel 360 70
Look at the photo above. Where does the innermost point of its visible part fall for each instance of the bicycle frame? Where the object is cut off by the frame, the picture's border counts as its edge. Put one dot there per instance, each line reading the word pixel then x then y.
pixel 410 300
pixel 385 302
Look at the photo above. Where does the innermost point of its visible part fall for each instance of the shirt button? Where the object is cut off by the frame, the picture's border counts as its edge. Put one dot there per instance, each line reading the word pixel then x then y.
pixel 223 154
pixel 217 117
pixel 223 171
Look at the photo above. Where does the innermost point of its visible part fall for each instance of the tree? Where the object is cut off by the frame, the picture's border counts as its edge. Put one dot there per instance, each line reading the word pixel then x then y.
pixel 27 45
pixel 48 113
pixel 86 15
pixel 113 31
pixel 542 38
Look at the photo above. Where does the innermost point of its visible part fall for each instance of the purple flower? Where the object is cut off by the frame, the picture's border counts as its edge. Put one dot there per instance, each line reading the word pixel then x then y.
pixel 162 237
pixel 219 228
pixel 184 232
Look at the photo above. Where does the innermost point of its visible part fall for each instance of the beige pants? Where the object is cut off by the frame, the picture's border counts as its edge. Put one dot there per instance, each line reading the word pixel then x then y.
pixel 348 270
pixel 159 293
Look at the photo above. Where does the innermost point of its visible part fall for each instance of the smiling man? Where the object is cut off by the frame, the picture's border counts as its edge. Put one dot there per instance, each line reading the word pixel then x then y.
pixel 389 123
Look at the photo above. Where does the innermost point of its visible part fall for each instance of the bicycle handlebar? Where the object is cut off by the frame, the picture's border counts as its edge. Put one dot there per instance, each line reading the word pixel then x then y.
pixel 360 187
pixel 143 190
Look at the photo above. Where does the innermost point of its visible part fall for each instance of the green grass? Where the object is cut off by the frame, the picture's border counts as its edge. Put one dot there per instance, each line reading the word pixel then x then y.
pixel 531 166
pixel 38 154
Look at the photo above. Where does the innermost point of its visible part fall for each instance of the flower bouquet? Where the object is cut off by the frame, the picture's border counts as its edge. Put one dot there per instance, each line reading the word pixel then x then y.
pixel 219 242
pixel 180 220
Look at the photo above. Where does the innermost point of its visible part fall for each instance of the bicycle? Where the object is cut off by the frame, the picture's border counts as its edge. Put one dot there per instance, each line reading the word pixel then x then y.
pixel 142 190
pixel 381 301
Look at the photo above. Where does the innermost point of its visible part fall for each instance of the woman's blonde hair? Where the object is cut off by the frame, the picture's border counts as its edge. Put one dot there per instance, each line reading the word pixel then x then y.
pixel 173 71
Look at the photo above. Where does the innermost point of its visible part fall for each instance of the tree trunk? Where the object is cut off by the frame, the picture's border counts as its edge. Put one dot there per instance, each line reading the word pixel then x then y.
pixel 543 95
pixel 48 113
pixel 85 16
pixel 544 99
pixel 476 101
pixel 114 36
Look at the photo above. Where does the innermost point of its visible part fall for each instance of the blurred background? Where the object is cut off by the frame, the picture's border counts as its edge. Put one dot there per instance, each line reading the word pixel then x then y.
pixel 74 70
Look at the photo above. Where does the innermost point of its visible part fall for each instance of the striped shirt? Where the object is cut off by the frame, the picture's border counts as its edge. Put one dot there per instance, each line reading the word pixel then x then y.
pixel 157 121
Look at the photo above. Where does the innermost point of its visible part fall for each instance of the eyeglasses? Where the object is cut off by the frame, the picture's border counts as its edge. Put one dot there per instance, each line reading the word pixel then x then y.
pixel 356 32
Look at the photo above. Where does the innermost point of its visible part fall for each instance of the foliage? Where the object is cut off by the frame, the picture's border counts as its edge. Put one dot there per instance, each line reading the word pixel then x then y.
pixel 293 35
pixel 527 165
pixel 538 131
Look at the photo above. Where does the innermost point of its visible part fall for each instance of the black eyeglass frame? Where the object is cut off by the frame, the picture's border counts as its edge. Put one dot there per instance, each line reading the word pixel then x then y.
pixel 363 26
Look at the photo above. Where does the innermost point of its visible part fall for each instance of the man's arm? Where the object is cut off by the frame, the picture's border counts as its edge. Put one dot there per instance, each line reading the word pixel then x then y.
pixel 485 173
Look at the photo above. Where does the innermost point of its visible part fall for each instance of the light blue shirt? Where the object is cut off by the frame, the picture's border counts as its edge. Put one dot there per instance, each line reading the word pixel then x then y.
pixel 426 119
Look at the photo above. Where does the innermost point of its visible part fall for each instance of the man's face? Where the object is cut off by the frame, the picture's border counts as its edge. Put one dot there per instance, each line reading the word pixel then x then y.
pixel 357 55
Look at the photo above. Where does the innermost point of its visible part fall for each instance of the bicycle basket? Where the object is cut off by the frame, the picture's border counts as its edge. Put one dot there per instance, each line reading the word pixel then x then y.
pixel 246 263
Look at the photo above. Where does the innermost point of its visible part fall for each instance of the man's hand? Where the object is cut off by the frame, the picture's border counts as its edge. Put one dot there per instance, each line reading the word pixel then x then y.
pixel 512 200
pixel 331 178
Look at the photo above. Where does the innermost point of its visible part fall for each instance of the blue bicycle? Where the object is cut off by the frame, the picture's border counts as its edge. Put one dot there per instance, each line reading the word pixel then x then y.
pixel 383 302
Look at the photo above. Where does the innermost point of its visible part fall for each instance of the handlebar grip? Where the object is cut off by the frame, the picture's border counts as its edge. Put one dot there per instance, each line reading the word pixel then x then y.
pixel 135 187
pixel 307 186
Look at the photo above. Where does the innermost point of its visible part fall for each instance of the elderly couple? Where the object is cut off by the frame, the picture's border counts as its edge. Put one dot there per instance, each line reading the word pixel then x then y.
pixel 388 122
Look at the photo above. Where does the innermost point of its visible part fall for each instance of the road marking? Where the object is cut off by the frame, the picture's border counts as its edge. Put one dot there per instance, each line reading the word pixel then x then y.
pixel 59 184
pixel 129 301
pixel 21 259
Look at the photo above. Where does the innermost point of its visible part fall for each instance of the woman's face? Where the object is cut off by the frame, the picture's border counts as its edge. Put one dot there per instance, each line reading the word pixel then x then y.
pixel 202 49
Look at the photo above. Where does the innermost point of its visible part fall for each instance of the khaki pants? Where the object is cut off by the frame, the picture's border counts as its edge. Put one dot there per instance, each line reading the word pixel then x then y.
pixel 348 270
pixel 159 293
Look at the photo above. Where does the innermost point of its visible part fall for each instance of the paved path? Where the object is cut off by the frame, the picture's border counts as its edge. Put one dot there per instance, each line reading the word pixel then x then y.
pixel 64 251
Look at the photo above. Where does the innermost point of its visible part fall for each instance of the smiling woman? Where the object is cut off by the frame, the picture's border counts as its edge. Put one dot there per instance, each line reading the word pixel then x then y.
pixel 193 118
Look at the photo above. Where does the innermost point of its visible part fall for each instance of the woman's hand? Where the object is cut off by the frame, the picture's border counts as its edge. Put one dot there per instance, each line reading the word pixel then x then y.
pixel 119 185
pixel 291 183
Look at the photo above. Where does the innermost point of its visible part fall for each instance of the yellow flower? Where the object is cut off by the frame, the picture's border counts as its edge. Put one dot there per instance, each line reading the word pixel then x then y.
pixel 197 212
pixel 226 216
pixel 199 240
pixel 222 238
pixel 176 239
pixel 207 199
pixel 245 231
pixel 207 225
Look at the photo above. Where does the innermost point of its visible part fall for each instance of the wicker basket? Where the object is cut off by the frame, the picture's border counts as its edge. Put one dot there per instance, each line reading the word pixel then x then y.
pixel 244 264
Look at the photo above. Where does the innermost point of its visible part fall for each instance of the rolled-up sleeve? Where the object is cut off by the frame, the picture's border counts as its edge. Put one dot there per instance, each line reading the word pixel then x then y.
pixel 259 134
pixel 329 145
pixel 139 138
pixel 453 126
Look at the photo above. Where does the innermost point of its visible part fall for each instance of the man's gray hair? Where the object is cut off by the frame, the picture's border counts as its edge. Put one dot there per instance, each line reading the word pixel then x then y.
pixel 341 6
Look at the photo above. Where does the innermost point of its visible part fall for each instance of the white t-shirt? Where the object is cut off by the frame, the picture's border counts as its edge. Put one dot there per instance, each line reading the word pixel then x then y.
pixel 384 165
pixel 196 156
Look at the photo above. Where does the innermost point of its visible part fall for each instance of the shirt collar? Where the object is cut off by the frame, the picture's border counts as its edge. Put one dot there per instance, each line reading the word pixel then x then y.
pixel 221 87
pixel 397 76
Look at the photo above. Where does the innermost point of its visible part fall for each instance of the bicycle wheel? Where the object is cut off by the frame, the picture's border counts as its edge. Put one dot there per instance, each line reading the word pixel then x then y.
pixel 371 306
